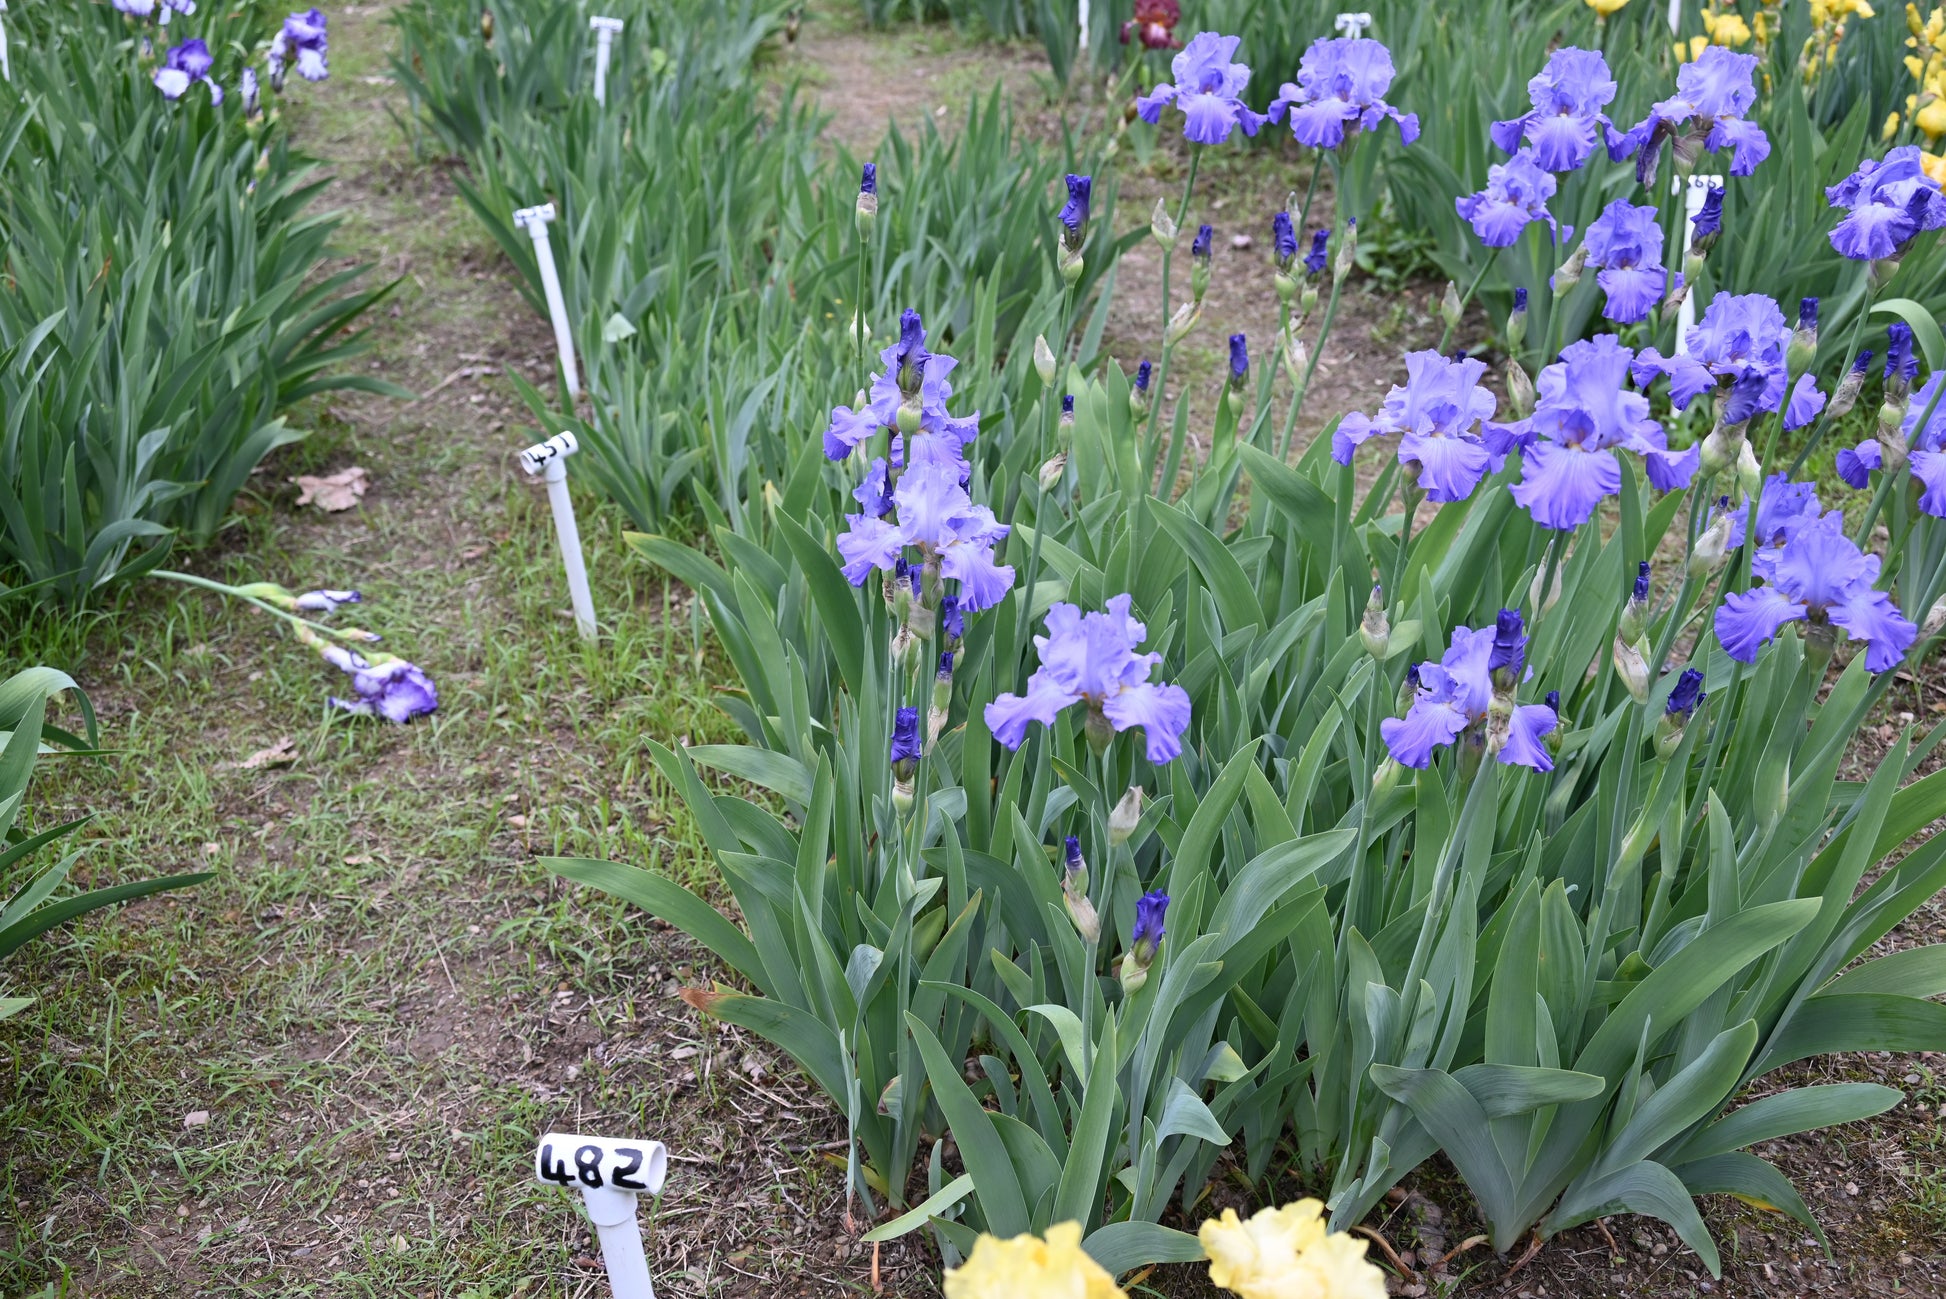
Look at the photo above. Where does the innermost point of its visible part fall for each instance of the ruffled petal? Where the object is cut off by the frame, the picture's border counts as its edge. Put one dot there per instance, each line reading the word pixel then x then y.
pixel 1807 400
pixel 1524 731
pixel 1162 711
pixel 1871 616
pixel 1149 107
pixel 1672 471
pixel 1353 431
pixel 1007 716
pixel 870 543
pixel 1747 620
pixel 1428 725
pixel 1561 486
pixel 1929 467
pixel 1856 465
pixel 1449 467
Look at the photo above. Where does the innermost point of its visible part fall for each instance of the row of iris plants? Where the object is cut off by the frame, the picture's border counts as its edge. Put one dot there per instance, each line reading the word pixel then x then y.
pixel 705 236
pixel 1126 801
pixel 159 314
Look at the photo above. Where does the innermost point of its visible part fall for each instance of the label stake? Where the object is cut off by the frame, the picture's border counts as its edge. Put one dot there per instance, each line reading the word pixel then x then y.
pixel 1694 195
pixel 550 460
pixel 610 1174
pixel 535 220
pixel 606 29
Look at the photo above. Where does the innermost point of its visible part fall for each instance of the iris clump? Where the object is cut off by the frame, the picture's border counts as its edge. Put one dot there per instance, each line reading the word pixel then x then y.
pixel 1707 112
pixel 1886 205
pixel 1440 410
pixel 1091 657
pixel 1625 249
pixel 1585 413
pixel 1340 91
pixel 1515 197
pixel 1208 89
pixel 1566 120
pixel 1818 576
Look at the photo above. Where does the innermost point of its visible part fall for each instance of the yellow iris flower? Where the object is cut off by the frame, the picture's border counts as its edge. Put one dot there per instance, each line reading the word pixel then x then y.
pixel 1027 1267
pixel 1607 7
pixel 1286 1253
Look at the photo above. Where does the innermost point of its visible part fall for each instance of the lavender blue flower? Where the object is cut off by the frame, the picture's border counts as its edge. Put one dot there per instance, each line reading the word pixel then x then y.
pixel 1074 213
pixel 1819 576
pixel 1208 89
pixel 1092 657
pixel 1900 363
pixel 1584 413
pixel 1707 111
pixel 1703 231
pixel 1150 910
pixel 1239 358
pixel 302 38
pixel 1509 644
pixel 1199 248
pixel 1639 592
pixel 1567 98
pixel 1686 696
pixel 1806 401
pixel 952 620
pixel 187 63
pixel 1925 458
pixel 1740 341
pixel 1886 204
pixel 905 745
pixel 1283 237
pixel 1439 411
pixel 1784 509
pixel 1456 693
pixel 1340 90
pixel 1624 245
pixel 247 87
pixel 385 685
pixel 1515 196
pixel 937 516
pixel 868 181
pixel 1315 259
pixel 1142 374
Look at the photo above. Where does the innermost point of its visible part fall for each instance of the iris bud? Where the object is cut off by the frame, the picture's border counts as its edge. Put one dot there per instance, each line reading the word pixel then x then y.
pixel 1187 316
pixel 1712 548
pixel 1803 347
pixel 1044 361
pixel 1347 250
pixel 1750 474
pixel 865 214
pixel 1449 306
pixel 1517 320
pixel 1162 226
pixel 1127 814
pixel 1541 602
pixel 1569 273
pixel 1051 471
pixel 1296 354
pixel 1632 666
pixel 1375 629
pixel 1520 390
pixel 1635 610
pixel 1935 620
pixel 486 26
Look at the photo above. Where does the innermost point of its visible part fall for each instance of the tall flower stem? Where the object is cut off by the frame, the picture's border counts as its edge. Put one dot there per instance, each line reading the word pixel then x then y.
pixel 1168 257
pixel 207 584
pixel 1467 297
pixel 1819 429
pixel 1310 368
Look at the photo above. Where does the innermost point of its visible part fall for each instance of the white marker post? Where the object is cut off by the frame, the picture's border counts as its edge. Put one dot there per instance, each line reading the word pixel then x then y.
pixel 550 459
pixel 6 68
pixel 1694 196
pixel 606 30
pixel 1084 26
pixel 610 1174
pixel 535 221
pixel 1353 25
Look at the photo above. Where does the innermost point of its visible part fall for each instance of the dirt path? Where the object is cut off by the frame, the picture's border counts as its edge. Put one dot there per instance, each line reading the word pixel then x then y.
pixel 323 1073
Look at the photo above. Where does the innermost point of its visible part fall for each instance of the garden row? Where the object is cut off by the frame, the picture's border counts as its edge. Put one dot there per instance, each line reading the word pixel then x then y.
pixel 1529 854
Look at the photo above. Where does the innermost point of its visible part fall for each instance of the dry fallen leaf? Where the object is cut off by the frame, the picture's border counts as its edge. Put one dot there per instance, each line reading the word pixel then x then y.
pixel 281 754
pixel 333 492
pixel 195 1118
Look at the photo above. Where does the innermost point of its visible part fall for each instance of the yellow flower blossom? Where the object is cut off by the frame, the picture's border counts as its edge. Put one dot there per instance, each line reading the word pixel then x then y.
pixel 1286 1253
pixel 1692 49
pixel 1726 29
pixel 1934 166
pixel 1891 127
pixel 1606 7
pixel 1028 1267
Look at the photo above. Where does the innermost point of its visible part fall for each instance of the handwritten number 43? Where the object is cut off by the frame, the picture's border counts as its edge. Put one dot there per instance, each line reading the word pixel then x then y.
pixel 587 1167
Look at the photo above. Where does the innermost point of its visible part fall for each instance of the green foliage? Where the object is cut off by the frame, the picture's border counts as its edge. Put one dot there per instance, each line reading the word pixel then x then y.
pixel 158 313
pixel 28 881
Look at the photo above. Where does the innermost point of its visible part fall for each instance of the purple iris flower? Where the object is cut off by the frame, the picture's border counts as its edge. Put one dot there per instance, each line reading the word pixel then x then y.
pixel 1074 213
pixel 1456 693
pixel 1686 696
pixel 905 736
pixel 1625 246
pixel 1314 260
pixel 1199 247
pixel 1819 576
pixel 1283 237
pixel 1806 401
pixel 326 601
pixel 1709 220
pixel 1239 358
pixel 1740 342
pixel 1208 89
pixel 1886 204
pixel 386 686
pixel 868 180
pixel 1142 373
pixel 1584 412
pixel 874 495
pixel 302 39
pixel 1439 410
pixel 1092 657
pixel 248 88
pixel 1150 909
pixel 1784 509
pixel 952 620
pixel 186 63
pixel 1900 363
pixel 937 516
pixel 1509 643
pixel 1926 458
pixel 1567 98
pixel 1516 195
pixel 1706 112
pixel 1340 90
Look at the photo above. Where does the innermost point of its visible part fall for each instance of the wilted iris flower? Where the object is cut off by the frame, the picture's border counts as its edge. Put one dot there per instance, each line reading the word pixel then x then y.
pixel 1566 121
pixel 1340 91
pixel 1092 657
pixel 1739 344
pixel 325 601
pixel 1925 453
pixel 1706 112
pixel 1154 24
pixel 186 63
pixel 1457 693
pixel 385 685
pixel 1208 89
pixel 1439 410
pixel 1818 577
pixel 1886 204
pixel 1515 196
pixel 303 40
pixel 1625 247
pixel 1586 412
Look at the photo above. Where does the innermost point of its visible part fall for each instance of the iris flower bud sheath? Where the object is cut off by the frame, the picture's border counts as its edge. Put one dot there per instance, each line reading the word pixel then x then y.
pixel 1517 321
pixel 1632 666
pixel 1145 941
pixel 1634 623
pixel 1127 813
pixel 1375 629
pixel 1162 226
pixel 865 214
pixel 1044 361
pixel 1074 893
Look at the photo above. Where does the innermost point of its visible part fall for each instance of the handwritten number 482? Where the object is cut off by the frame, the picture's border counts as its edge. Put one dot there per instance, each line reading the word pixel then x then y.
pixel 588 1167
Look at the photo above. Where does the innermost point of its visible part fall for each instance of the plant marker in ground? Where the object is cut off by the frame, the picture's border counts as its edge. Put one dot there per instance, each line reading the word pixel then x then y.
pixel 550 458
pixel 535 221
pixel 610 1174
pixel 1694 197
pixel 606 30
